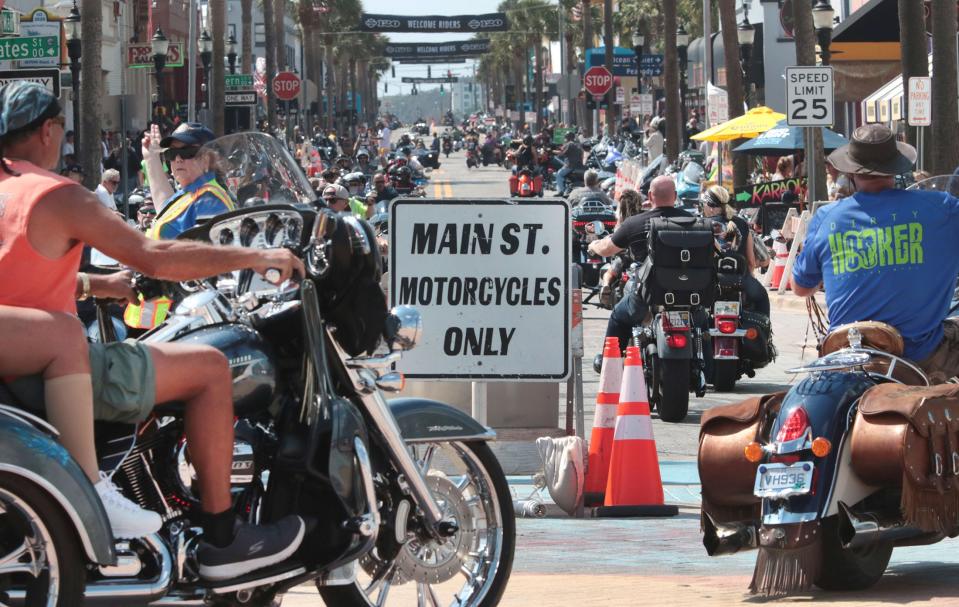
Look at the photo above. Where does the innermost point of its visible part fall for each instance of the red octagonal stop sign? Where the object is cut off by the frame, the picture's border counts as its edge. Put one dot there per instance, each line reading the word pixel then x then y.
pixel 597 81
pixel 286 85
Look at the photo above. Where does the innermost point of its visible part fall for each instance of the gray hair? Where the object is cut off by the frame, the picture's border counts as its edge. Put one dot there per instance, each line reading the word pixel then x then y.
pixel 110 175
pixel 591 178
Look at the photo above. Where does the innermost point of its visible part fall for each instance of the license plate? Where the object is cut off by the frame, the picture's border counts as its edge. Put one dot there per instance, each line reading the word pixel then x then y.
pixel 781 480
pixel 726 308
pixel 677 319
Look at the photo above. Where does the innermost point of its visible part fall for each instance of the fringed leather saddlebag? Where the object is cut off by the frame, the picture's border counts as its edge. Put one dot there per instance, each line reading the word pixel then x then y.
pixel 909 436
pixel 727 477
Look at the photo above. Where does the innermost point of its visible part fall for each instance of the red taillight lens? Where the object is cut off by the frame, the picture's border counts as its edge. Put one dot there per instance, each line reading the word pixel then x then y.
pixel 610 224
pixel 796 425
pixel 677 340
pixel 726 326
pixel 579 224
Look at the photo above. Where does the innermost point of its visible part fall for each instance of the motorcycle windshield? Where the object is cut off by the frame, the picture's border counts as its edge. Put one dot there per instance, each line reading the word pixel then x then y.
pixel 693 173
pixel 257 169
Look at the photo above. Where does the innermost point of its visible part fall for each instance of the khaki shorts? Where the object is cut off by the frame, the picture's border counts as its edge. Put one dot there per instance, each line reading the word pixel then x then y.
pixel 943 363
pixel 124 383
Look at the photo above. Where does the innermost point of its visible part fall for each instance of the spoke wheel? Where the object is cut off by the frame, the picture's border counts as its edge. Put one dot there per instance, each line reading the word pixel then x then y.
pixel 468 569
pixel 40 556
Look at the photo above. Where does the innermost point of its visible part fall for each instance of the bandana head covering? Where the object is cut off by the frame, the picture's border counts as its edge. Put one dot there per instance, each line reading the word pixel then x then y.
pixel 22 103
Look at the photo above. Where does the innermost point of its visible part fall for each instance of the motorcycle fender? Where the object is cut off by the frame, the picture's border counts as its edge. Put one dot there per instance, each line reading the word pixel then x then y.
pixel 424 420
pixel 35 456
pixel 847 487
pixel 668 353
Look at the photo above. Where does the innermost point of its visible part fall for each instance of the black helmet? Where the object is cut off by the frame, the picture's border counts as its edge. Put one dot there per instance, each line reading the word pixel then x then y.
pixel 570 136
pixel 404 172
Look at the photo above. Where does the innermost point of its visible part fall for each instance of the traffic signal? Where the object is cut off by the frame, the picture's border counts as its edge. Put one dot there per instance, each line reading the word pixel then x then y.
pixel 441 90
pixel 510 95
pixel 393 70
pixel 414 91
pixel 429 71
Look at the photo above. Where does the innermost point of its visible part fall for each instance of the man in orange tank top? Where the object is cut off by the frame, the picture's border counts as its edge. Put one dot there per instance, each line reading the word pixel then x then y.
pixel 43 224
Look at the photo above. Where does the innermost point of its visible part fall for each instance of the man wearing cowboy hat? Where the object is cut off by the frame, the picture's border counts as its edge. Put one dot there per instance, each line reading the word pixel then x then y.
pixel 886 254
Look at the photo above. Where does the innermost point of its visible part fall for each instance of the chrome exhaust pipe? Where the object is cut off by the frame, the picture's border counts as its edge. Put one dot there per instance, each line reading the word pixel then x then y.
pixel 719 539
pixel 857 530
pixel 137 590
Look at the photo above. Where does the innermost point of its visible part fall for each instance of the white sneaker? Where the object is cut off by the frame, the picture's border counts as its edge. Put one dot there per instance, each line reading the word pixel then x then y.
pixel 126 518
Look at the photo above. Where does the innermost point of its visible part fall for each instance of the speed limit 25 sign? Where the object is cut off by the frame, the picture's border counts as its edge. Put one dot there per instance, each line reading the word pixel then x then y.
pixel 810 96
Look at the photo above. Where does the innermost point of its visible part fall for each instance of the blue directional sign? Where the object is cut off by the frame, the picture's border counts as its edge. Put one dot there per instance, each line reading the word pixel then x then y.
pixel 651 65
pixel 624 60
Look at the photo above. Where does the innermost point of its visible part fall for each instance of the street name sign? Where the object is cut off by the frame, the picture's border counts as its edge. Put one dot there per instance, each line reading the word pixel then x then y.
pixel 286 85
pixel 651 65
pixel 9 22
pixel 920 101
pixel 491 279
pixel 48 78
pixel 597 81
pixel 39 23
pixel 238 81
pixel 239 98
pixel 810 96
pixel 29 47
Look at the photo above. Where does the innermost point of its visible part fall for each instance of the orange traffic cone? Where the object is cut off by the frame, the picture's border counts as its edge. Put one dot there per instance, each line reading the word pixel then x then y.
pixel 601 439
pixel 634 487
pixel 782 254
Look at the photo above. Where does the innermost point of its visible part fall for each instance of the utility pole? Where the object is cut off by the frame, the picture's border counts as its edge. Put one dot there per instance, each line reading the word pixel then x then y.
pixel 608 44
pixel 707 53
pixel 563 94
pixel 588 44
pixel 191 63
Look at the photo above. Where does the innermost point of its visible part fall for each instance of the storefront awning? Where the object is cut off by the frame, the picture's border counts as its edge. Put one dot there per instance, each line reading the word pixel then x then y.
pixel 886 103
pixel 869 34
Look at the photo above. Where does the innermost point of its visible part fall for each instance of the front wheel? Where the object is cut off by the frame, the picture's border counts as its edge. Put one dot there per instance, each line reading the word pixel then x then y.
pixel 673 389
pixel 40 550
pixel 469 569
pixel 850 568
pixel 725 375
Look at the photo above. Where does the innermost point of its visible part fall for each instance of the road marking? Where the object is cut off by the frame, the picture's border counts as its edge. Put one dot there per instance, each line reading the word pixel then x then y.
pixel 448 189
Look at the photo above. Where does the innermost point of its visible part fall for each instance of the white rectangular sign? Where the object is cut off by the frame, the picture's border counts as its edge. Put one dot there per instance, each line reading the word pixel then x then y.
pixel 810 97
pixel 491 280
pixel 646 104
pixel 920 101
pixel 620 95
pixel 635 104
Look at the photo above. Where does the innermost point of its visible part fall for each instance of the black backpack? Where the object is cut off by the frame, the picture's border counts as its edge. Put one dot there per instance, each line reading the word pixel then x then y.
pixel 681 267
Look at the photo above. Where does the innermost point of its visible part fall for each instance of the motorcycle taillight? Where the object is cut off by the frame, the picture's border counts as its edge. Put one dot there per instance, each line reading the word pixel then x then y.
pixel 726 326
pixel 676 340
pixel 795 426
pixel 579 224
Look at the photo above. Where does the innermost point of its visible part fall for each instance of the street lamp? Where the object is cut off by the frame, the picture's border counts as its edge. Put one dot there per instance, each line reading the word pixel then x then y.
pixel 639 40
pixel 682 48
pixel 745 35
pixel 74 48
pixel 822 18
pixel 159 45
pixel 231 53
pixel 205 46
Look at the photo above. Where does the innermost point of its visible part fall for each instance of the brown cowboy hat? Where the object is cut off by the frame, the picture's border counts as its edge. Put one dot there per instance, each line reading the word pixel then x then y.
pixel 873 150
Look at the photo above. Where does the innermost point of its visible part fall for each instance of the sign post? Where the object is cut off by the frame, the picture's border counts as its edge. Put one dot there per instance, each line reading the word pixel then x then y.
pixel 919 110
pixel 810 103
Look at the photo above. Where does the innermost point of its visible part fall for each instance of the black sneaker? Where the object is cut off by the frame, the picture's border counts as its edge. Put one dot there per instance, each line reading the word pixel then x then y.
pixel 253 547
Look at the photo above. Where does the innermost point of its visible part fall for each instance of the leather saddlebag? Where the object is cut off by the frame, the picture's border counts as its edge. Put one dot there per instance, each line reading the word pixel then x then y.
pixel 909 436
pixel 726 476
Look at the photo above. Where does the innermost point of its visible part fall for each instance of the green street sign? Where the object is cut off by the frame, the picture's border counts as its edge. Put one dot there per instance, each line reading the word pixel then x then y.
pixel 239 81
pixel 9 22
pixel 32 47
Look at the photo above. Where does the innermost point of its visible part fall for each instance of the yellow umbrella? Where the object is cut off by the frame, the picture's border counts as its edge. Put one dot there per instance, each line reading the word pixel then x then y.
pixel 751 124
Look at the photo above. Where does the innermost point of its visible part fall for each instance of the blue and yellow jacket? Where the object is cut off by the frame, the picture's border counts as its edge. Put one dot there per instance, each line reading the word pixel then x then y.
pixel 201 199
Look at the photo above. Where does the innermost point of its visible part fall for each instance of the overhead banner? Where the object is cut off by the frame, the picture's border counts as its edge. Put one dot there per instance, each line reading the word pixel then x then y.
pixel 490 22
pixel 432 61
pixel 446 80
pixel 425 50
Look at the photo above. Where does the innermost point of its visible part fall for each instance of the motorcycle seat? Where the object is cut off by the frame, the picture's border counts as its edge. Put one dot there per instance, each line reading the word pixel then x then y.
pixel 874 334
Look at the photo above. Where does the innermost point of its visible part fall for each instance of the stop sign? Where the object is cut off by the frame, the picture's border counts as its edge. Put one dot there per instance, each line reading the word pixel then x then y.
pixel 597 81
pixel 286 85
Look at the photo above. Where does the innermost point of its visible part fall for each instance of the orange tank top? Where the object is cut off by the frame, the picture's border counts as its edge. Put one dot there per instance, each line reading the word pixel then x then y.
pixel 29 279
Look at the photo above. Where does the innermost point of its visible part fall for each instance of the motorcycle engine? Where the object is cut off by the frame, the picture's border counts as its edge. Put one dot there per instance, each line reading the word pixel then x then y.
pixel 242 470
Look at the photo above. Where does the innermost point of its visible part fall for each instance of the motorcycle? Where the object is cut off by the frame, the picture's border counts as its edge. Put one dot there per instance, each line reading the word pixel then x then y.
pixel 447 146
pixel 524 184
pixel 403 496
pixel 825 480
pixel 491 153
pixel 471 161
pixel 591 220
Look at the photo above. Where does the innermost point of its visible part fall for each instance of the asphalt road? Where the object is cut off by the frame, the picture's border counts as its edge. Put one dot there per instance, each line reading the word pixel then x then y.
pixel 562 561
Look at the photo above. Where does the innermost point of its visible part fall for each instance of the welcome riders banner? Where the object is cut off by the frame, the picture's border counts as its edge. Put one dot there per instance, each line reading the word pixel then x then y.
pixel 490 22
pixel 426 50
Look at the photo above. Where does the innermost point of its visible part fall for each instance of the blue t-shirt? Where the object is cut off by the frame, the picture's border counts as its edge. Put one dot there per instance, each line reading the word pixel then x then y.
pixel 891 257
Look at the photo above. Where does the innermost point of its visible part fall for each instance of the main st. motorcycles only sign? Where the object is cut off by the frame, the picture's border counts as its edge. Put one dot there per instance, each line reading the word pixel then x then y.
pixel 491 279
pixel 490 22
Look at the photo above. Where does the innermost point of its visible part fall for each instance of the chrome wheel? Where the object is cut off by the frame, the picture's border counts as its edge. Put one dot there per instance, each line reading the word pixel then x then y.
pixel 468 568
pixel 27 557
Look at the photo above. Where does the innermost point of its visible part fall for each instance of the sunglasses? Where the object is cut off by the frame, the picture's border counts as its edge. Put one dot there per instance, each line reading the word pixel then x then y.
pixel 171 154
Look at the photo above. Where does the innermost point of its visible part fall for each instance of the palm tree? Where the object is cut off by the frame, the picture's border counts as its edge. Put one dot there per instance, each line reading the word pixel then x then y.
pixel 270 52
pixel 674 118
pixel 944 87
pixel 734 82
pixel 912 36
pixel 91 92
pixel 246 27
pixel 217 82
pixel 805 37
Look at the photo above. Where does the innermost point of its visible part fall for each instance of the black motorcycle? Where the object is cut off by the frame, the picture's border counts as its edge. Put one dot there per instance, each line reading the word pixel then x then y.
pixel 591 220
pixel 404 497
pixel 447 146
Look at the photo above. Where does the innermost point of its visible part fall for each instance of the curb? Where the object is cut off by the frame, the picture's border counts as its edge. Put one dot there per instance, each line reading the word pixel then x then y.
pixel 790 302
